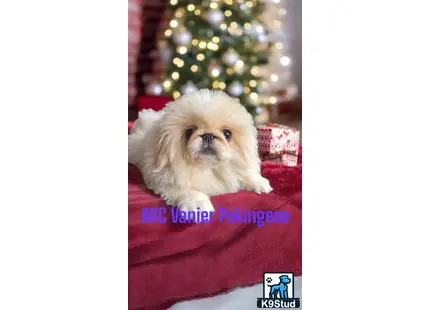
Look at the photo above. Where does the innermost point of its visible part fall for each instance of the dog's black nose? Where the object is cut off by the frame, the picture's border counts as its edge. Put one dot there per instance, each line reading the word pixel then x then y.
pixel 207 137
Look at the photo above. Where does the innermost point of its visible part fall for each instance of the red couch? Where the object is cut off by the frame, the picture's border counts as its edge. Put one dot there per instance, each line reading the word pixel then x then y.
pixel 155 103
pixel 173 262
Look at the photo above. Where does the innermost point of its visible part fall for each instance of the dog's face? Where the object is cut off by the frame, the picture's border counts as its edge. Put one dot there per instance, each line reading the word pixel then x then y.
pixel 284 279
pixel 207 127
pixel 207 142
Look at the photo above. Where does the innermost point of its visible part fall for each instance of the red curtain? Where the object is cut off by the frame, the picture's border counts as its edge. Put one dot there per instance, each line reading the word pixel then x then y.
pixel 134 38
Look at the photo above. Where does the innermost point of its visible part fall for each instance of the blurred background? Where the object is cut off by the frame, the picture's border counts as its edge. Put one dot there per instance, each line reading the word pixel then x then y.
pixel 250 49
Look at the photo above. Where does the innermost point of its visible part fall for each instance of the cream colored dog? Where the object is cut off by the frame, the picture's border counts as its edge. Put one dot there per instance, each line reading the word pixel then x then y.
pixel 201 145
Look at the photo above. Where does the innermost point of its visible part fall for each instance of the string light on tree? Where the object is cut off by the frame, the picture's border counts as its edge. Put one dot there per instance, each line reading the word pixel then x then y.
pixel 180 13
pixel 272 100
pixel 274 77
pixel 178 62
pixel 254 70
pixel 254 96
pixel 285 61
pixel 176 94
pixel 202 44
pixel 239 66
pixel 175 75
pixel 182 50
pixel 215 72
pixel 249 4
pixel 167 84
pixel 200 57
pixel 214 69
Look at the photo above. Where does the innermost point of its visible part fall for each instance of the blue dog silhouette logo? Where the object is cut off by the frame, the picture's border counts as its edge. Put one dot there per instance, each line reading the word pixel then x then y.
pixel 279 290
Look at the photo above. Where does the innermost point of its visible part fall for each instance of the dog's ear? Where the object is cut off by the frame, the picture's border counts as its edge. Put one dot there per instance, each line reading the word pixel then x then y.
pixel 164 150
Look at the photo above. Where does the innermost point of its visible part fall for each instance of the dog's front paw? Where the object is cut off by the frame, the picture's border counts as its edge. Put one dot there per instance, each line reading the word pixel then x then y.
pixel 262 186
pixel 196 202
pixel 193 205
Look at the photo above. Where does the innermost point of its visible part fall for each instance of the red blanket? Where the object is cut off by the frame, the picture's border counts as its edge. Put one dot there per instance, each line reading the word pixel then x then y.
pixel 173 262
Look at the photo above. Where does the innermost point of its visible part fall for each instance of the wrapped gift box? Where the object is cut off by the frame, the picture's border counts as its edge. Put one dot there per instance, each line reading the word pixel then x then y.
pixel 279 143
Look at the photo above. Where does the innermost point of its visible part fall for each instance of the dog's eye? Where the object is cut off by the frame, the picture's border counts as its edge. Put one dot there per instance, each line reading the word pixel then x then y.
pixel 189 132
pixel 227 134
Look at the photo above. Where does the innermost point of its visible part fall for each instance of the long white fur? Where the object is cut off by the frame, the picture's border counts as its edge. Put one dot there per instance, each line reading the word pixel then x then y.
pixel 180 183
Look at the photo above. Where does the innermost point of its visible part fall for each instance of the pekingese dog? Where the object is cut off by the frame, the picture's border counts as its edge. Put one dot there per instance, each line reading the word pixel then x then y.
pixel 201 145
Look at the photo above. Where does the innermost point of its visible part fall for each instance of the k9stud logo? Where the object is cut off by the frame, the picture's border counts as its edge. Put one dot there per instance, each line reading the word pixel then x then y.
pixel 278 291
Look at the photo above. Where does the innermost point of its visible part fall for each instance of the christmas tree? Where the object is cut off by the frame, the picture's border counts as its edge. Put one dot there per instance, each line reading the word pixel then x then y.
pixel 215 44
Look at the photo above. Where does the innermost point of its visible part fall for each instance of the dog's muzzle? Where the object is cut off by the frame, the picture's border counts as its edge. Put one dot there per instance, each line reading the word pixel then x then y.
pixel 207 144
